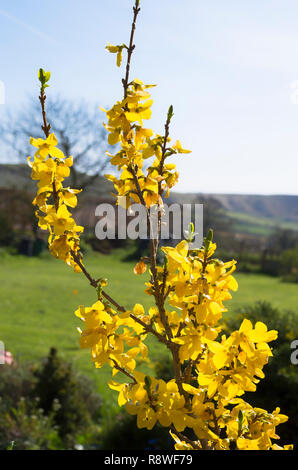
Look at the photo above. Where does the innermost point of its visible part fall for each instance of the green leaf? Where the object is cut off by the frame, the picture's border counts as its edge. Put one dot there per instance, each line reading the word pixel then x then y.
pixel 240 421
pixel 210 235
pixel 43 77
pixel 148 382
pixel 47 76
pixel 208 240
pixel 11 446
pixel 170 112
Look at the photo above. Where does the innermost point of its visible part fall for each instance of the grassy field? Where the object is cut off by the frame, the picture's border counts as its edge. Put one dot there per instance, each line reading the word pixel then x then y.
pixel 38 298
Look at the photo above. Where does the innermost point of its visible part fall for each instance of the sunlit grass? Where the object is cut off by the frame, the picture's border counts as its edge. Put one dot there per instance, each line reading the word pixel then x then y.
pixel 38 298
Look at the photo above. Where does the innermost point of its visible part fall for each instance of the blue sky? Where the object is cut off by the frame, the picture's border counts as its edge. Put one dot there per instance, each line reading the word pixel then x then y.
pixel 226 66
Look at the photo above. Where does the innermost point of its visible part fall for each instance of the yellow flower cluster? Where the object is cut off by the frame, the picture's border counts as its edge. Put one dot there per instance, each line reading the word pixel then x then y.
pixel 125 126
pixel 246 428
pixel 113 338
pixel 50 167
pixel 216 371
pixel 153 400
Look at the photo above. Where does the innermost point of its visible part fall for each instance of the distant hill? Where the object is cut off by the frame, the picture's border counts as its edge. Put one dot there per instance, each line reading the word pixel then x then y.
pixel 18 176
pixel 276 207
pixel 280 207
pixel 251 214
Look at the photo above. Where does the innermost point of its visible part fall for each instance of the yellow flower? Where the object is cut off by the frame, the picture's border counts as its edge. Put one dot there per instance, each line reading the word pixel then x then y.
pixel 47 147
pixel 179 149
pixel 140 268
pixel 61 221
pixel 138 112
pixel 68 196
pixel 116 50
pixel 146 418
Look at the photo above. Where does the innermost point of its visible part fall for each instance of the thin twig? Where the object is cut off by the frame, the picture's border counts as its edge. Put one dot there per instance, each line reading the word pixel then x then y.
pixel 46 127
pixel 181 436
pixel 94 283
pixel 131 47
pixel 124 371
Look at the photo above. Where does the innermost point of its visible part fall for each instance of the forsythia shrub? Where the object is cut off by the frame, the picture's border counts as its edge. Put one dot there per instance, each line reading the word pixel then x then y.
pixel 201 405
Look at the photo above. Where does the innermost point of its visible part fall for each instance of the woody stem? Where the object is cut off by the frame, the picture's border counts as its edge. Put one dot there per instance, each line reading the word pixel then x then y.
pixel 131 47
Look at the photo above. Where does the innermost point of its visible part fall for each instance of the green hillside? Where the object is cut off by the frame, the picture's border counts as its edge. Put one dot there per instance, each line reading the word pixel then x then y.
pixel 253 225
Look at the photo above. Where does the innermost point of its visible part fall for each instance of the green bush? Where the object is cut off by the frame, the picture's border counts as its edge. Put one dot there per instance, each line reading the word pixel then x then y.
pixel 122 433
pixel 16 381
pixel 289 269
pixel 26 427
pixel 281 383
pixel 56 380
pixel 7 233
pixel 63 401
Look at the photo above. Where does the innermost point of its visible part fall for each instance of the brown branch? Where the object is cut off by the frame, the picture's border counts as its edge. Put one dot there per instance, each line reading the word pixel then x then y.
pixel 78 261
pixel 113 302
pixel 181 436
pixel 131 47
pixel 150 329
pixel 94 283
pixel 160 170
pixel 187 372
pixel 164 148
pixel 153 243
pixel 46 127
pixel 163 286
pixel 159 297
pixel 124 371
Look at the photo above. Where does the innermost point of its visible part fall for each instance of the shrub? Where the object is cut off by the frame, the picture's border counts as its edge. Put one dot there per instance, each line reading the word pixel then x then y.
pixel 61 400
pixel 56 381
pixel 281 384
pixel 7 234
pixel 123 434
pixel 26 427
pixel 289 269
pixel 16 381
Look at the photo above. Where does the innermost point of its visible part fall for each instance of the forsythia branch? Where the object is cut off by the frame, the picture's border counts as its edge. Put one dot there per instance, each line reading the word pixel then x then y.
pixel 202 405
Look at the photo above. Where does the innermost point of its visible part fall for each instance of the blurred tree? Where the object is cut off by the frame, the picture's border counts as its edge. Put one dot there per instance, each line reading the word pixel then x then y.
pixel 17 217
pixel 281 240
pixel 77 127
pixel 289 265
pixel 57 381
pixel 276 257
